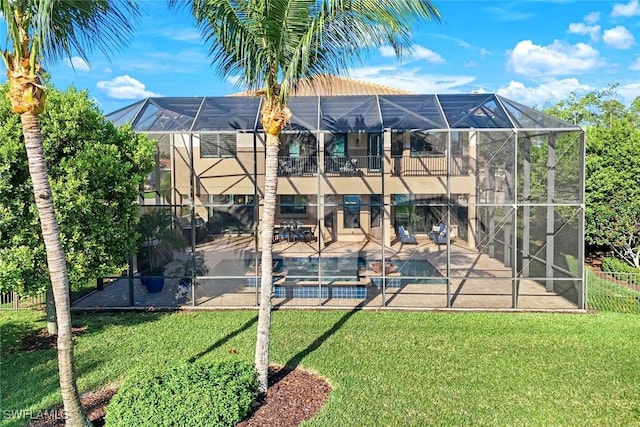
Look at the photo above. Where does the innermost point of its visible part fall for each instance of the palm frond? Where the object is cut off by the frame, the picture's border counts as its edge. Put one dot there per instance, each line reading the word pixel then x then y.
pixel 273 44
pixel 50 30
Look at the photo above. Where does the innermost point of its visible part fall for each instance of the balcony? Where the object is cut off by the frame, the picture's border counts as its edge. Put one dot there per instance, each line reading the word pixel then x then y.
pixel 353 165
pixel 297 166
pixel 358 166
pixel 431 166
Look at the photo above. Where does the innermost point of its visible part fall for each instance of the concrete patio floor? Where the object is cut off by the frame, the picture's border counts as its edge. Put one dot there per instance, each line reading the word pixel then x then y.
pixel 478 282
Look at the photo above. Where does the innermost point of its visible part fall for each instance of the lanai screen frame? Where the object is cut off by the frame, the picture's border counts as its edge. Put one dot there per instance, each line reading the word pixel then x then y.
pixel 519 208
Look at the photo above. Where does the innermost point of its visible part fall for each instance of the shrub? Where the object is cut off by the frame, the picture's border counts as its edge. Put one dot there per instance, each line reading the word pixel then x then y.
pixel 611 264
pixel 191 394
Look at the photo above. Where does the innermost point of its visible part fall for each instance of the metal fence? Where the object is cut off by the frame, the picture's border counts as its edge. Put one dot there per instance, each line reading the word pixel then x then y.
pixel 609 291
pixel 12 301
pixel 606 291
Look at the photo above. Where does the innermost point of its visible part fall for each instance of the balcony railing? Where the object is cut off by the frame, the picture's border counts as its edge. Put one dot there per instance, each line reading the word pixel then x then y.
pixel 297 166
pixel 431 166
pixel 372 166
pixel 353 165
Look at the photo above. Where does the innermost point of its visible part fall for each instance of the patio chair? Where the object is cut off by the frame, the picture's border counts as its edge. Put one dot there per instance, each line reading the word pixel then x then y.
pixel 405 236
pixel 350 167
pixel 439 234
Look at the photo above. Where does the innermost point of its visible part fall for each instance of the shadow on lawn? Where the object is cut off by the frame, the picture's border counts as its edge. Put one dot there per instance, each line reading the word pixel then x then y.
pixel 293 363
pixel 248 324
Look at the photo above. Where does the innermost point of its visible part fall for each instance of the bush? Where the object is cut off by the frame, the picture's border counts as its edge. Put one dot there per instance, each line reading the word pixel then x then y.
pixel 611 264
pixel 218 394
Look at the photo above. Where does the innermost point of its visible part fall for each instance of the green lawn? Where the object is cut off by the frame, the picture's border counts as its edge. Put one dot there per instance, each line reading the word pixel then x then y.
pixel 386 368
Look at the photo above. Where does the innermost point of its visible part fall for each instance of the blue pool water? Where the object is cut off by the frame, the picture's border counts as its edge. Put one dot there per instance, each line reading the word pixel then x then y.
pixel 348 267
pixel 301 272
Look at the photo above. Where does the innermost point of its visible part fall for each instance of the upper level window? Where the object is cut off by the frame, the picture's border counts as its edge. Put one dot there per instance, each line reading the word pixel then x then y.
pixel 301 144
pixel 217 145
pixel 424 144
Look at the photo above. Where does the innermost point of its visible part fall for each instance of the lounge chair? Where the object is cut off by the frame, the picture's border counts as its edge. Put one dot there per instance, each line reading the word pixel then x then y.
pixel 439 234
pixel 405 236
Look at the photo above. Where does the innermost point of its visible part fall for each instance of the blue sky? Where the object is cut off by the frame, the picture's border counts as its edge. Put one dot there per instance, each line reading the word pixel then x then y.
pixel 533 52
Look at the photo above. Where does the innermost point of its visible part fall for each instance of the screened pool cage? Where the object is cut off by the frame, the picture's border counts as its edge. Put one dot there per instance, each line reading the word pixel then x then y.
pixel 402 201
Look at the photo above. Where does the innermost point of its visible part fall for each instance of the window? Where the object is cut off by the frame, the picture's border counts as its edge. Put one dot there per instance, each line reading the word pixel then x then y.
pixel 428 144
pixel 217 145
pixel 397 144
pixel 376 210
pixel 336 145
pixel 351 211
pixel 297 145
pixel 230 199
pixel 293 204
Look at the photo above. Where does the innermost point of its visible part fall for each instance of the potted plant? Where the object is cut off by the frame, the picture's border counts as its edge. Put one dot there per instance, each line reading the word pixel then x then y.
pixel 158 240
pixel 185 268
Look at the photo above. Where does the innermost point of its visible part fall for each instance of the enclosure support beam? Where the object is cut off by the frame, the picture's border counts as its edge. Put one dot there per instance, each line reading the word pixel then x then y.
pixel 526 209
pixel 549 244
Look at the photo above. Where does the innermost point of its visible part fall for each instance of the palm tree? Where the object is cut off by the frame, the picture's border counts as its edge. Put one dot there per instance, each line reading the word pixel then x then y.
pixel 272 46
pixel 48 30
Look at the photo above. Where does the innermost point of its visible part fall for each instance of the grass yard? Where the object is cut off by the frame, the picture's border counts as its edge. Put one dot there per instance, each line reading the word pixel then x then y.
pixel 386 368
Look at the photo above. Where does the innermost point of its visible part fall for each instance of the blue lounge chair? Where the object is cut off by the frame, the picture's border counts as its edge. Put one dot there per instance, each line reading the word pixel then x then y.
pixel 405 236
pixel 439 234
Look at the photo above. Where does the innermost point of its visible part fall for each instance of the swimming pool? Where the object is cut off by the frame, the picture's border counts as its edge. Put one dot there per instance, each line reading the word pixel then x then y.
pixel 351 267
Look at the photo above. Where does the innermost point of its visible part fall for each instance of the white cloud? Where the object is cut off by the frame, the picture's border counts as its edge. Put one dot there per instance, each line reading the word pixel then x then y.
pixel 484 52
pixel 426 54
pixel 543 94
pixel 555 59
pixel 77 63
pixel 592 18
pixel 471 64
pixel 410 80
pixel 626 10
pixel 124 87
pixel 182 34
pixel 618 38
pixel 580 28
pixel 635 65
pixel 629 92
pixel 418 52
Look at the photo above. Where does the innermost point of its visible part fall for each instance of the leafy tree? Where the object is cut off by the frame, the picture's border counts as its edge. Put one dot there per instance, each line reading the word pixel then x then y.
pixel 612 193
pixel 48 30
pixel 613 190
pixel 95 176
pixel 270 46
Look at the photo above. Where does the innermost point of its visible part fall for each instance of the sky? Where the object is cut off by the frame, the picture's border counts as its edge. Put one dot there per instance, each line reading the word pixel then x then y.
pixel 534 52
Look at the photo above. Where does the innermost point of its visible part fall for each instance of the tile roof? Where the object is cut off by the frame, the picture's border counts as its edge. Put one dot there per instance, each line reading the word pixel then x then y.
pixel 330 85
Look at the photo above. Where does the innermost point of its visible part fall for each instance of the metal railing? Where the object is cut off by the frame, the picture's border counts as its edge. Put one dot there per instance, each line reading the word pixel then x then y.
pixel 430 166
pixel 297 166
pixel 373 165
pixel 12 301
pixel 353 165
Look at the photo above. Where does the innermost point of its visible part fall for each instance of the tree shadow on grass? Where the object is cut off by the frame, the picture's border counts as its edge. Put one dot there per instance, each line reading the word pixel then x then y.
pixel 248 324
pixel 294 362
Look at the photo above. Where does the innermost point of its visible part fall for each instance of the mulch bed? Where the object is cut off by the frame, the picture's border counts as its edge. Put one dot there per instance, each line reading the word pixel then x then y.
pixel 294 395
pixel 41 340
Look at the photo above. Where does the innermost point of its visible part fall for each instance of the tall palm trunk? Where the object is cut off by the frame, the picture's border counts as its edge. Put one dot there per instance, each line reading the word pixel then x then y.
pixel 266 287
pixel 57 268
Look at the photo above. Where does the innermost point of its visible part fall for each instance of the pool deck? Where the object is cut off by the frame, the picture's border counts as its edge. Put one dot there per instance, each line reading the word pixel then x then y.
pixel 478 282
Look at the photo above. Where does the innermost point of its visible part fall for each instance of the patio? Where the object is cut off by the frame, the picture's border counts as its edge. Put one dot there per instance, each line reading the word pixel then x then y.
pixel 477 281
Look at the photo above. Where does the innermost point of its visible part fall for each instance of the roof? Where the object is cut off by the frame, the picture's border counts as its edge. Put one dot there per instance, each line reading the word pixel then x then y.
pixel 354 113
pixel 330 85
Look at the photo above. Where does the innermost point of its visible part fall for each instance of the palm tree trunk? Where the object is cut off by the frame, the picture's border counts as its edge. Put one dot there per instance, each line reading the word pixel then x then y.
pixel 50 306
pixel 74 412
pixel 266 287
